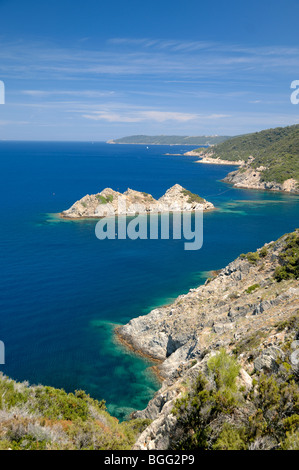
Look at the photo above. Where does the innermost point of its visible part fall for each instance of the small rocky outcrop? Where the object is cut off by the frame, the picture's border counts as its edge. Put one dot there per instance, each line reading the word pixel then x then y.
pixel 240 309
pixel 113 203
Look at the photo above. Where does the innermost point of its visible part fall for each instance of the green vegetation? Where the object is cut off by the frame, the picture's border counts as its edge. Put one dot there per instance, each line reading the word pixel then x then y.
pixel 149 196
pixel 203 403
pixel 218 414
pixel 251 257
pixel 252 288
pixel 38 418
pixel 225 370
pixel 290 324
pixel 170 140
pixel 230 438
pixel 263 252
pixel 289 259
pixel 192 197
pixel 249 343
pixel 254 257
pixel 104 200
pixel 276 149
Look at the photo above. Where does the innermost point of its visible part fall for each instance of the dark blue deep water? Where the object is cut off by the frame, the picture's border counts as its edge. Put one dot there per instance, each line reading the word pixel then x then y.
pixel 63 290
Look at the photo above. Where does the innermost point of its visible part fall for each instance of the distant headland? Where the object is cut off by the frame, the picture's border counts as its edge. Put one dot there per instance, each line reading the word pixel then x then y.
pixel 170 140
pixel 267 160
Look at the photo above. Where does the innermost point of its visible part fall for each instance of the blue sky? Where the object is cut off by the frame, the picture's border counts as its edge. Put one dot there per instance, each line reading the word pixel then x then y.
pixel 95 70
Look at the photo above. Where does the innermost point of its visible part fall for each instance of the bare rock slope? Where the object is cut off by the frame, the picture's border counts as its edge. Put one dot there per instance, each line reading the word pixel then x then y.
pixel 241 305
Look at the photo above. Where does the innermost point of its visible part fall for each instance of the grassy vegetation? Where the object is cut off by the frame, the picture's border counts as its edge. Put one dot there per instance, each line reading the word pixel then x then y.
pixel 249 343
pixel 104 200
pixel 38 418
pixel 252 288
pixel 252 257
pixel 192 197
pixel 288 259
pixel 276 149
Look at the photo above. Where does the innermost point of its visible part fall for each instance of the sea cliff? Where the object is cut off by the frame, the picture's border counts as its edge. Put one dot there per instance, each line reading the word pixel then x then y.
pixel 252 179
pixel 244 309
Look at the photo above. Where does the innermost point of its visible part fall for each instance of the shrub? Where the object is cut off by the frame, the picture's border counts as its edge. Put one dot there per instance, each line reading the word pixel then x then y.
pixel 213 415
pixel 291 442
pixel 253 257
pixel 231 438
pixel 289 260
pixel 192 197
pixel 263 252
pixel 252 288
pixel 101 199
pixel 225 369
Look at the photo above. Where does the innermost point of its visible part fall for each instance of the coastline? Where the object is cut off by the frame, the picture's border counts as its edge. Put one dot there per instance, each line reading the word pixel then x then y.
pixel 239 310
pixel 146 214
pixel 130 347
pixel 250 178
pixel 246 177
pixel 146 143
pixel 208 159
pixel 168 334
pixel 217 161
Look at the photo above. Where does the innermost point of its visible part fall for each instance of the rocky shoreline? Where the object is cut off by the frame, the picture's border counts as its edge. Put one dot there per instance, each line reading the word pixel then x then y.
pixel 113 203
pixel 209 159
pixel 244 301
pixel 252 179
pixel 246 176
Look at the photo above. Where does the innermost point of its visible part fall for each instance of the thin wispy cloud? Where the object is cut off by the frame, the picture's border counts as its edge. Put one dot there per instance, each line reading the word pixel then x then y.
pixel 124 56
pixel 165 85
pixel 76 93
pixel 157 116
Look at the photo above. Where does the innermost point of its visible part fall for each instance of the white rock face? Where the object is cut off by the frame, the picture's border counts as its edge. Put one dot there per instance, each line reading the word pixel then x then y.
pixel 112 203
pixel 251 179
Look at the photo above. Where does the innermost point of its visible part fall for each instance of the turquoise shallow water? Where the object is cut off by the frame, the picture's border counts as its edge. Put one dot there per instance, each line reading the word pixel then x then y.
pixel 63 290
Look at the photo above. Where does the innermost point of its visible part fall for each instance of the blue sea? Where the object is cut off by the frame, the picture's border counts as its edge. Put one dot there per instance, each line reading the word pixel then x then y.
pixel 63 291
